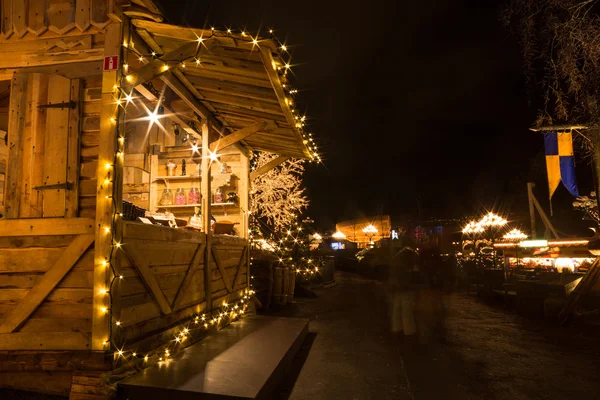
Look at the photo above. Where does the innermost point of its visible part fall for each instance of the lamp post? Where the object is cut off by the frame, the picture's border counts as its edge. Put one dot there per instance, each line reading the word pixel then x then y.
pixel 370 231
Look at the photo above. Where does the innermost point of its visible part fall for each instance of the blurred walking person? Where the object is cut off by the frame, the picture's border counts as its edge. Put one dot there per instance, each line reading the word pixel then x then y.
pixel 402 280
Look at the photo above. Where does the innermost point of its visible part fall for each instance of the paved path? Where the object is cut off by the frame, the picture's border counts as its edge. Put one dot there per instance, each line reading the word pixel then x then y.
pixel 486 353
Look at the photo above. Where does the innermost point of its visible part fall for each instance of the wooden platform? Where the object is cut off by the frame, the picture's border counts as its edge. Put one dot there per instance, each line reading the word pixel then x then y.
pixel 243 361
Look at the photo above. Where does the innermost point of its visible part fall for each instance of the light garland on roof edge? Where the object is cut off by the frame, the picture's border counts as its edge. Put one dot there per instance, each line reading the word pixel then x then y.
pixel 282 70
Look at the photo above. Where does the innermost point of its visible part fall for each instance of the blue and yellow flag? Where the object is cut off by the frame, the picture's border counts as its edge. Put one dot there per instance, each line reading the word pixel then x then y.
pixel 560 162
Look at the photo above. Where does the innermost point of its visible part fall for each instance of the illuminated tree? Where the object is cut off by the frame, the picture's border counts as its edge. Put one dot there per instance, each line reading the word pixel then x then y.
pixel 560 40
pixel 277 197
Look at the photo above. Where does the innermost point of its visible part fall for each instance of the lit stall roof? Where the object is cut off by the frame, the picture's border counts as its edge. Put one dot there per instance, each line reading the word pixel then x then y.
pixel 240 80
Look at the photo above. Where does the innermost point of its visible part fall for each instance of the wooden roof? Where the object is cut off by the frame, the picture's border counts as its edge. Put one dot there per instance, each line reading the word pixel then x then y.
pixel 239 82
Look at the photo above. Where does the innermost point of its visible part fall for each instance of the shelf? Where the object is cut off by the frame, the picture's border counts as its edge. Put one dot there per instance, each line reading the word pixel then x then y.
pixel 196 205
pixel 181 206
pixel 175 178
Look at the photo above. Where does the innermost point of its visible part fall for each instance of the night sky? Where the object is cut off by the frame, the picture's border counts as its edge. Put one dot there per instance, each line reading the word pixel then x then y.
pixel 420 108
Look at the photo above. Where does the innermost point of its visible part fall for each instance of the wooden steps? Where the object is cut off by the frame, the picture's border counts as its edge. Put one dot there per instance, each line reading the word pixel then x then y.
pixel 243 361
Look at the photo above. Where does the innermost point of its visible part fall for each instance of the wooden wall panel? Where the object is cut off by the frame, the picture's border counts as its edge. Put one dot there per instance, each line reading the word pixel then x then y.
pixel 90 138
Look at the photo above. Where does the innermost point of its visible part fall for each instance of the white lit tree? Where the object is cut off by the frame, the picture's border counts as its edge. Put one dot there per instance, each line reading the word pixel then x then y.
pixel 277 197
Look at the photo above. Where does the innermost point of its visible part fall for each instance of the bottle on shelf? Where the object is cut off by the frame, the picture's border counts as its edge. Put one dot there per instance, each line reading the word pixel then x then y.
pixel 219 196
pixel 171 167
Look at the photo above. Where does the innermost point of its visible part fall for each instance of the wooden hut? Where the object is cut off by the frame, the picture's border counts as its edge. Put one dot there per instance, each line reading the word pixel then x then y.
pixel 96 96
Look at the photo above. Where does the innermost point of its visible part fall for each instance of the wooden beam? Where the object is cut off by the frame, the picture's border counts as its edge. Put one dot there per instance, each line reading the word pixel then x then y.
pixel 239 266
pixel 171 60
pixel 236 136
pixel 185 95
pixel 196 262
pixel 269 63
pixel 219 263
pixel 206 213
pixel 46 284
pixel 544 217
pixel 268 166
pixel 558 128
pixel 44 341
pixel 46 227
pixel 170 113
pixel 106 197
pixel 141 265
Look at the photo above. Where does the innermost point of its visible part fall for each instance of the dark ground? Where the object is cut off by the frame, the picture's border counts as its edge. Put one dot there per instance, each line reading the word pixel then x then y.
pixel 487 352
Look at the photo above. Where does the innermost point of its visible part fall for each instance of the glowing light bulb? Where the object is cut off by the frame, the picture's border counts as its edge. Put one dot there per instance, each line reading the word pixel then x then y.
pixel 107 230
pixel 283 47
pixel 104 310
pixel 165 67
pixel 197 61
pixel 213 156
pixel 141 58
pixel 118 245
pixel 228 30
pixel 255 42
pixel 200 40
pixel 153 54
pixel 118 323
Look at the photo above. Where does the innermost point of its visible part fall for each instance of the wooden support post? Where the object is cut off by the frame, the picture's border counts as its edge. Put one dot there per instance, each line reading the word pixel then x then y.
pixel 530 186
pixel 268 166
pixel 106 195
pixel 206 212
pixel 244 192
pixel 545 218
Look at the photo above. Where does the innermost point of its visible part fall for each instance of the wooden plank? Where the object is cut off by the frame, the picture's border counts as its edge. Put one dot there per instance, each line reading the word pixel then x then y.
pixel 219 263
pixel 26 242
pixel 208 86
pixel 56 145
pixel 194 265
pixel 61 15
pixel 156 67
pixel 47 226
pixel 185 94
pixel 33 149
pixel 241 263
pixel 7 18
pixel 68 296
pixel 16 122
pixel 58 324
pixel 20 17
pixel 244 193
pixel 149 279
pixel 28 260
pixel 99 14
pixel 50 280
pixel 104 207
pixel 44 341
pixel 82 15
pixel 72 195
pixel 237 136
pixel 134 230
pixel 37 17
pixel 268 166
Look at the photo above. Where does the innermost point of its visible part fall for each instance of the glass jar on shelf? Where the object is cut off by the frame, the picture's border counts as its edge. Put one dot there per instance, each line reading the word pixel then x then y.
pixel 167 198
pixel 194 196
pixel 218 196
pixel 171 167
pixel 180 197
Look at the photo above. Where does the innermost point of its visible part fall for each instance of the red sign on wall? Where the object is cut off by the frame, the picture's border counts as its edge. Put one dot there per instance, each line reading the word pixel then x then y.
pixel 111 63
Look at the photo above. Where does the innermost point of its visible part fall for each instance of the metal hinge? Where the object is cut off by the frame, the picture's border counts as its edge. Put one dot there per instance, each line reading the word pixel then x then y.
pixel 68 104
pixel 66 185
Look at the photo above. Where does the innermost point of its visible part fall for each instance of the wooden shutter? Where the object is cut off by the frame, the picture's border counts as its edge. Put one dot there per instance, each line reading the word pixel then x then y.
pixel 43 159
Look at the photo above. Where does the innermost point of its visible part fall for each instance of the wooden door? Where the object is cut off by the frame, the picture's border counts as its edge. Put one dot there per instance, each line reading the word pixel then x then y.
pixel 43 136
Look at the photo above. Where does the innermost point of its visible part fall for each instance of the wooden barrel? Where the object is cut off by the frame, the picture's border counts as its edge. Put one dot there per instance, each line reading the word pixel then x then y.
pixel 291 285
pixel 279 295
